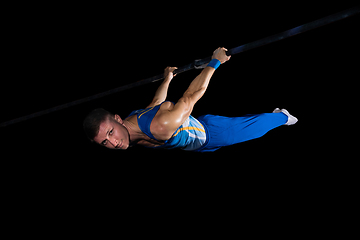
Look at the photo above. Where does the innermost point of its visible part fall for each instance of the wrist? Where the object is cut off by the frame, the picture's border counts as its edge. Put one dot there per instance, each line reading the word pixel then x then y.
pixel 214 63
pixel 168 79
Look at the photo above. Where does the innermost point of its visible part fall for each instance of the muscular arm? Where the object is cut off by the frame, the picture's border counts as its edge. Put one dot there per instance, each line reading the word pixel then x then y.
pixel 171 119
pixel 197 87
pixel 161 92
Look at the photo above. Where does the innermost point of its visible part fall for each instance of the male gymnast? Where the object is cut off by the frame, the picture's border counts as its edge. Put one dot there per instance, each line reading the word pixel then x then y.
pixel 163 124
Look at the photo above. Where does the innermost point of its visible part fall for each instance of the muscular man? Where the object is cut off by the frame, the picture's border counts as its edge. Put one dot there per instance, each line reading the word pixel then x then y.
pixel 163 124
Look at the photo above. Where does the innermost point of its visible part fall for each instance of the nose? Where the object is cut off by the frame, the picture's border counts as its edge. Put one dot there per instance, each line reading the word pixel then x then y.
pixel 113 142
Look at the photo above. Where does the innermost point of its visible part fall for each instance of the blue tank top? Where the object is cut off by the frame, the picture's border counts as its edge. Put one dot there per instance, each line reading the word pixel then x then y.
pixel 189 136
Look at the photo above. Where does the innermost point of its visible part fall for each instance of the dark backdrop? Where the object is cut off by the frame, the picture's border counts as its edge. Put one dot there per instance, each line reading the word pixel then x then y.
pixel 69 52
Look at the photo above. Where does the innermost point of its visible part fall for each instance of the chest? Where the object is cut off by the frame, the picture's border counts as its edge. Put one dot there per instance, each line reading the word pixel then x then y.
pixel 140 137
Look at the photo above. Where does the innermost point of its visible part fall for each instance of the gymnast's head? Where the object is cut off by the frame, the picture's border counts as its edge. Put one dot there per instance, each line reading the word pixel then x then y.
pixel 106 129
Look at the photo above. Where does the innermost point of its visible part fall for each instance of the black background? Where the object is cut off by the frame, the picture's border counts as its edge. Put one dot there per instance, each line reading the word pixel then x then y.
pixel 58 54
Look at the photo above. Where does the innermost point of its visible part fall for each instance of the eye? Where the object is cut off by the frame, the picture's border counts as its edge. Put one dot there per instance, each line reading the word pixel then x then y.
pixel 103 142
pixel 111 132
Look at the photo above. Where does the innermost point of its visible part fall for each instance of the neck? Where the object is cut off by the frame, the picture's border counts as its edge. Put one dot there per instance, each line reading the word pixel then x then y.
pixel 135 134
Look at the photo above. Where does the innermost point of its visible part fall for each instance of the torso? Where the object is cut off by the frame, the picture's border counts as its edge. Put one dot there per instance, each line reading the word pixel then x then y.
pixel 144 140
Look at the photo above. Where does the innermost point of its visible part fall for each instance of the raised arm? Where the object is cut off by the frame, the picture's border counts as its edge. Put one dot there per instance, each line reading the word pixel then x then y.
pixel 199 85
pixel 173 118
pixel 161 92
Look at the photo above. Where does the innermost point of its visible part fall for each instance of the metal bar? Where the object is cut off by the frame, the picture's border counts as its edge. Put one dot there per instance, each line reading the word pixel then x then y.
pixel 277 37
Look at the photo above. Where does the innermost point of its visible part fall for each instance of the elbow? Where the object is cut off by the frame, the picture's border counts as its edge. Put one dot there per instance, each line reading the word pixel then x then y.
pixel 201 91
pixel 192 94
pixel 193 97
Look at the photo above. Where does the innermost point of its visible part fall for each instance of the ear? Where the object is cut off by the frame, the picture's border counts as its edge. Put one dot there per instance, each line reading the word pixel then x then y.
pixel 118 119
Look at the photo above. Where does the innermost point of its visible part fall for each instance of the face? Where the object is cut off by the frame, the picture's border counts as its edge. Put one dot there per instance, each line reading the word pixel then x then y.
pixel 113 134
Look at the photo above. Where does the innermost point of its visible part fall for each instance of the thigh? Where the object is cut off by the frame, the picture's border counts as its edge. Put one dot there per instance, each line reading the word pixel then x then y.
pixel 225 131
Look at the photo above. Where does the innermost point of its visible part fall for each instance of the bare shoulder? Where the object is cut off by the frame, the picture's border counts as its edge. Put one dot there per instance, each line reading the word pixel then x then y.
pixel 166 106
pixel 160 122
pixel 165 109
pixel 144 139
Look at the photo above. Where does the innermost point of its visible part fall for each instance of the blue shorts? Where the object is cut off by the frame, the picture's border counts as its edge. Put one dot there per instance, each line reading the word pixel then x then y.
pixel 226 131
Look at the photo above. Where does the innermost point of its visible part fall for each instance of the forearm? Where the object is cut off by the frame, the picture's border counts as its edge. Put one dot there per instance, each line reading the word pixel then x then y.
pixel 199 85
pixel 183 108
pixel 170 120
pixel 161 92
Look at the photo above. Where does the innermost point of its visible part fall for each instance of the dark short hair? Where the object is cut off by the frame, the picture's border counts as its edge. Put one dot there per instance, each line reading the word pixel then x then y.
pixel 93 120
